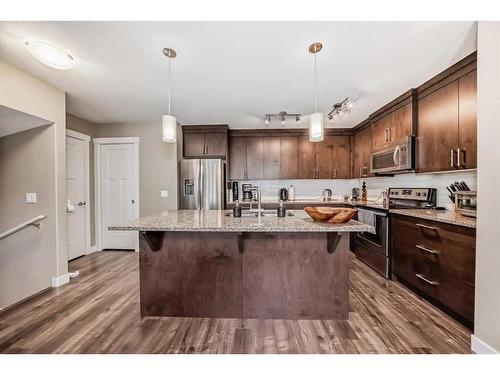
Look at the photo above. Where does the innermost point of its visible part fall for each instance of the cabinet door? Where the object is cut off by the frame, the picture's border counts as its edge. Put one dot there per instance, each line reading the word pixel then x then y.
pixel 255 158
pixel 194 145
pixel 215 144
pixel 342 156
pixel 401 123
pixel 289 157
pixel 272 157
pixel 362 151
pixel 237 158
pixel 307 158
pixel 324 158
pixel 438 129
pixel 381 131
pixel 467 120
pixel 357 155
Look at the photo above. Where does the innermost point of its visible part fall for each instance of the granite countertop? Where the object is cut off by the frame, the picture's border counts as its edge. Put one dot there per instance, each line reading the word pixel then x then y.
pixel 319 202
pixel 218 221
pixel 444 216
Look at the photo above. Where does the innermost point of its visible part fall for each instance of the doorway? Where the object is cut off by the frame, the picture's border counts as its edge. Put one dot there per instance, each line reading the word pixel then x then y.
pixel 78 193
pixel 117 190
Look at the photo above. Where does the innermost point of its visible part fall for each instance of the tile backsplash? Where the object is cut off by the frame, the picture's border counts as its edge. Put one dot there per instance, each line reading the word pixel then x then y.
pixel 375 185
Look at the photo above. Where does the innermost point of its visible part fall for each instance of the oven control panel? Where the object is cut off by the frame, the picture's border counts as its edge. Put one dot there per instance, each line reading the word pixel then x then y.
pixel 414 194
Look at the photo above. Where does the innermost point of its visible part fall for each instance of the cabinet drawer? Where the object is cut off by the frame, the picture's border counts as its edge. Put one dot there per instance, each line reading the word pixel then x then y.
pixel 456 295
pixel 449 249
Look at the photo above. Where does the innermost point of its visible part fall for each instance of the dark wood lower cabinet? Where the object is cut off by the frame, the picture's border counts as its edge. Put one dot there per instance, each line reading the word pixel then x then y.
pixel 437 261
pixel 244 275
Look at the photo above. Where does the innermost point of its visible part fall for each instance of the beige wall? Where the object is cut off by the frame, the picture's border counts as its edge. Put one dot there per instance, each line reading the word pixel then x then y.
pixel 487 313
pixel 86 127
pixel 32 161
pixel 157 163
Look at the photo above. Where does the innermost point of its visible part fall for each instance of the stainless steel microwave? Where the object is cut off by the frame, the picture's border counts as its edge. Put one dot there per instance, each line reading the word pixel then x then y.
pixel 397 157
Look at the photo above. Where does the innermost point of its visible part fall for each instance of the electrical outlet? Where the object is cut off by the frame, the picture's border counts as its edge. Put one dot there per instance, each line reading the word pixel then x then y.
pixel 164 193
pixel 30 197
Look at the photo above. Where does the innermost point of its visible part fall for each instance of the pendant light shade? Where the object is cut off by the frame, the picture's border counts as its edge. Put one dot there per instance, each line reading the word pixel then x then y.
pixel 169 128
pixel 316 128
pixel 169 122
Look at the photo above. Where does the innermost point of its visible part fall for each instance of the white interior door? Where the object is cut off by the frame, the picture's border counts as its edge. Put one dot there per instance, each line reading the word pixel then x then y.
pixel 119 193
pixel 77 192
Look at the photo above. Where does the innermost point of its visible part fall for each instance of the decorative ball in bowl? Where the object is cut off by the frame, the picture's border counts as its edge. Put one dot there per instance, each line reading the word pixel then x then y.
pixel 332 215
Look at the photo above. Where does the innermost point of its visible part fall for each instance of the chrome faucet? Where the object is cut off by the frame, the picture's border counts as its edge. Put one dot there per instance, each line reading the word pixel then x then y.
pixel 259 207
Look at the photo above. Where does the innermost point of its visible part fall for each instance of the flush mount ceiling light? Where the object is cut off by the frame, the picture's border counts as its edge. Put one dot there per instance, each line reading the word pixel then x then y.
pixel 316 128
pixel 50 55
pixel 169 122
pixel 282 116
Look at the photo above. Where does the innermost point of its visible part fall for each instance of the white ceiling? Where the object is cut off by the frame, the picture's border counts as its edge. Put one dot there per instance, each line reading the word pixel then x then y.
pixel 13 121
pixel 235 72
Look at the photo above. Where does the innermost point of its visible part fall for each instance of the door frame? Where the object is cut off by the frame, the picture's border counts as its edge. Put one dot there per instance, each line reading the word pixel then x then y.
pixel 98 142
pixel 86 138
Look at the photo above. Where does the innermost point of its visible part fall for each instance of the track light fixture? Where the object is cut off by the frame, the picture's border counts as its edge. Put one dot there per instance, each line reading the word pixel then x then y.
pixel 344 106
pixel 282 116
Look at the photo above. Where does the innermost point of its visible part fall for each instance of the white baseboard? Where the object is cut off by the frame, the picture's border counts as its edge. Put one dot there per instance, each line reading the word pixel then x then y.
pixel 60 280
pixel 480 347
pixel 93 249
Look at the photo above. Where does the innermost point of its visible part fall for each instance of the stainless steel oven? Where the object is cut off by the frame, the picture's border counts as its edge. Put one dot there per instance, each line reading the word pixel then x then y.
pixel 397 157
pixel 373 248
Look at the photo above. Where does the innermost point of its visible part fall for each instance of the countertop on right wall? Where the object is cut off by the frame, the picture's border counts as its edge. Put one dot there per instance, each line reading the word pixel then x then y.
pixel 444 216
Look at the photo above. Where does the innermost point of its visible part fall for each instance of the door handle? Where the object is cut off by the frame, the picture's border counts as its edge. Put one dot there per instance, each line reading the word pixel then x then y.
pixel 452 162
pixel 82 203
pixel 206 149
pixel 459 163
pixel 202 147
pixel 425 226
pixel 335 173
pixel 390 134
pixel 386 136
pixel 396 158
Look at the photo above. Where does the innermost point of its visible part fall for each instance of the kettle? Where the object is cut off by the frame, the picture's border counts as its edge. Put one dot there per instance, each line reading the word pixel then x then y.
pixel 327 194
pixel 283 194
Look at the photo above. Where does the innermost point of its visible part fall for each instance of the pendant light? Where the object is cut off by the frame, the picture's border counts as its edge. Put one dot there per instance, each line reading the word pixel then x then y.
pixel 169 122
pixel 316 128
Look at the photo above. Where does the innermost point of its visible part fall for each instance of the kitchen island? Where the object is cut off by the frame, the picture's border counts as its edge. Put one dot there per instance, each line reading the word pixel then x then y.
pixel 206 263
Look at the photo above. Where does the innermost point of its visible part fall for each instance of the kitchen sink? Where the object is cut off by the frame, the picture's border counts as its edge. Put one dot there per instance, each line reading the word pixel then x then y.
pixel 269 213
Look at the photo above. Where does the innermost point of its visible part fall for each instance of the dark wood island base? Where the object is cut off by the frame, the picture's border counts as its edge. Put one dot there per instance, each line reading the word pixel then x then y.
pixel 249 275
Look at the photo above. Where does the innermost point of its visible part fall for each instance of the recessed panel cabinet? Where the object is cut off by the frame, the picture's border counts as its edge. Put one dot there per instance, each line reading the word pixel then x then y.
pixel 362 148
pixel 393 126
pixel 290 157
pixel 205 141
pixel 447 125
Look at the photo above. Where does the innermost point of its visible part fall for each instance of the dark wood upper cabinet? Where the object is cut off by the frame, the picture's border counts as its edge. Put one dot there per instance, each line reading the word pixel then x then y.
pixel 362 148
pixel 290 157
pixel 438 129
pixel 307 158
pixel 215 144
pixel 324 158
pixel 255 158
pixel 205 141
pixel 272 157
pixel 380 130
pixel 194 144
pixel 447 119
pixel 342 157
pixel 237 158
pixel 467 120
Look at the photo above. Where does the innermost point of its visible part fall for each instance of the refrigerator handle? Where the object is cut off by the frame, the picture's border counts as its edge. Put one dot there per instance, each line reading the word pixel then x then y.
pixel 200 185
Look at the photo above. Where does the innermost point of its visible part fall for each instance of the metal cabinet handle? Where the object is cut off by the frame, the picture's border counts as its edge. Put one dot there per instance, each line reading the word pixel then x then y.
pixel 426 249
pixel 390 134
pixel 386 135
pixel 452 162
pixel 425 226
pixel 202 147
pixel 428 281
pixel 335 173
pixel 206 149
pixel 459 163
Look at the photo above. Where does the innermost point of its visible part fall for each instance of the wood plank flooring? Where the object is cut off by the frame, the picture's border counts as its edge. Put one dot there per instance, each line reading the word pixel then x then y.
pixel 98 312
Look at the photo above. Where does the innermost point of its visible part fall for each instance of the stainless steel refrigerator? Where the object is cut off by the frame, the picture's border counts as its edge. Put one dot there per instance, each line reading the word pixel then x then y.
pixel 202 184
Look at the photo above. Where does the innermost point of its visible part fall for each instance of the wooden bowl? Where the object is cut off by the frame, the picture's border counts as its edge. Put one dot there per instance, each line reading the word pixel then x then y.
pixel 332 215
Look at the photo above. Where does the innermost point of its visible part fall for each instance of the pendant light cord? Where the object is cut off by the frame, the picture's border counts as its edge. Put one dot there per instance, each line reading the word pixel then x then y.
pixel 315 83
pixel 169 84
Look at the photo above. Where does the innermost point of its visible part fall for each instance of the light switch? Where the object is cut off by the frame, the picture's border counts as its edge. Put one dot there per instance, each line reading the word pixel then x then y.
pixel 164 193
pixel 30 197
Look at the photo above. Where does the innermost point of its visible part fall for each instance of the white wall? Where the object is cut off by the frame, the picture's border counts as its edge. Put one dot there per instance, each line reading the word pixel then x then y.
pixel 32 160
pixel 487 311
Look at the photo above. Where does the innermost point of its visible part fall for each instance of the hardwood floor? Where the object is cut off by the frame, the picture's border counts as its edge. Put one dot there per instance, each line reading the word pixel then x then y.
pixel 98 312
